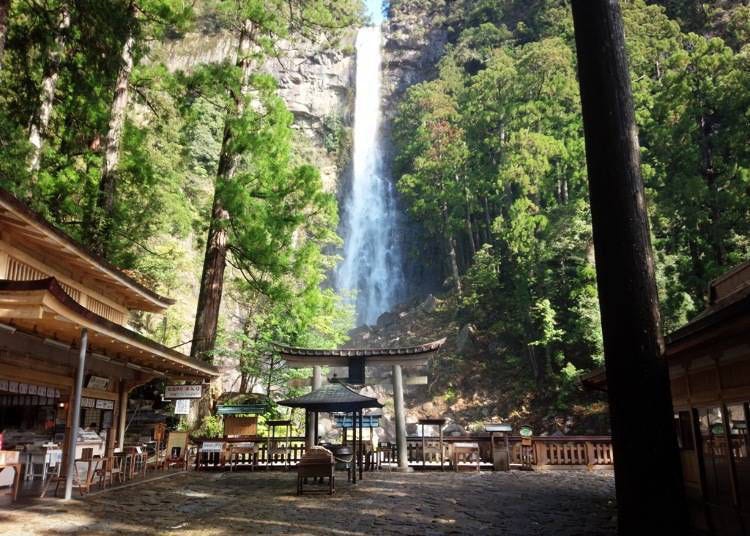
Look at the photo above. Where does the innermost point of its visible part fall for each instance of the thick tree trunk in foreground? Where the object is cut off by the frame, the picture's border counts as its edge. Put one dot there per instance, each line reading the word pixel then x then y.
pixel 212 280
pixel 4 12
pixel 40 121
pixel 650 494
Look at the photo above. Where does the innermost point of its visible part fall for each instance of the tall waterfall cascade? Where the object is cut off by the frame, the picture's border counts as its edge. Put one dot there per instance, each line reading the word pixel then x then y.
pixel 371 271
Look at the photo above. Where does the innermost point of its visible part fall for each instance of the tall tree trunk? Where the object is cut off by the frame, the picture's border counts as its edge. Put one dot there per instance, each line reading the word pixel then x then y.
pixel 469 228
pixel 487 220
pixel 212 280
pixel 453 258
pixel 450 244
pixel 40 121
pixel 100 227
pixel 4 13
pixel 708 171
pixel 648 476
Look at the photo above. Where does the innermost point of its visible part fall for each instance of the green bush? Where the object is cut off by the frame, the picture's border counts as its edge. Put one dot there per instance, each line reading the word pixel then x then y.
pixel 211 426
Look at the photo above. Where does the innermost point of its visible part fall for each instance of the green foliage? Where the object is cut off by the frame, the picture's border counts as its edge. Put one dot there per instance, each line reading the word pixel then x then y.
pixel 490 155
pixel 211 426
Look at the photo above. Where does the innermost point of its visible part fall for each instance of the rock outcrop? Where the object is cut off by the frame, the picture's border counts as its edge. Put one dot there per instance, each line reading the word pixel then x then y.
pixel 315 81
pixel 415 38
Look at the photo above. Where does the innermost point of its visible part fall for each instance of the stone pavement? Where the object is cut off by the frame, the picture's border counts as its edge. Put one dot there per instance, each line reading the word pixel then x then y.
pixel 217 504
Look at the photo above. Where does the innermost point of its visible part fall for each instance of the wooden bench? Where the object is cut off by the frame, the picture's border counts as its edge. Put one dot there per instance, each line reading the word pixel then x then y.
pixel 318 462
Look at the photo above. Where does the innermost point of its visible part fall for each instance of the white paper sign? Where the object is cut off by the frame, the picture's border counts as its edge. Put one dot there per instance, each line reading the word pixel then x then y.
pixel 183 391
pixel 182 406
pixel 105 404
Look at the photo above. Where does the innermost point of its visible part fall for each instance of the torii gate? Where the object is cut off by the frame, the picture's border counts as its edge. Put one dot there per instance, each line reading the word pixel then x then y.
pixel 356 359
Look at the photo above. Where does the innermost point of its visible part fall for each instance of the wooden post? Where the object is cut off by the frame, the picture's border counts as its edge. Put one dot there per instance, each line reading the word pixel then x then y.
pixel 315 425
pixel 424 457
pixel 361 446
pixel 76 409
pixel 400 414
pixel 123 415
pixel 648 478
pixel 440 433
pixel 354 447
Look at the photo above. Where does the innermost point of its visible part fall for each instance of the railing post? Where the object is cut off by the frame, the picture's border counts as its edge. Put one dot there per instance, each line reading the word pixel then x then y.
pixel 590 454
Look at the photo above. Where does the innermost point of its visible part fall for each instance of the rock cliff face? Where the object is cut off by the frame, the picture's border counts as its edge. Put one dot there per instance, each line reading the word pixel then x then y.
pixel 315 82
pixel 415 38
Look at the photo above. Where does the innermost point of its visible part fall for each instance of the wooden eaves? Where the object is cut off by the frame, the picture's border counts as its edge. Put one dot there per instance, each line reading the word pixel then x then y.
pixel 25 229
pixel 42 308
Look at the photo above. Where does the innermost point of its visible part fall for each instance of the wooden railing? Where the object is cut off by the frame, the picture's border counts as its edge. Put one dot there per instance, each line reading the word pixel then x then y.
pixel 550 451
pixel 542 452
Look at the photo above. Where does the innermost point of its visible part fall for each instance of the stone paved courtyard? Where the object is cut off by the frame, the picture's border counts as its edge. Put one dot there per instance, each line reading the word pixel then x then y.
pixel 516 503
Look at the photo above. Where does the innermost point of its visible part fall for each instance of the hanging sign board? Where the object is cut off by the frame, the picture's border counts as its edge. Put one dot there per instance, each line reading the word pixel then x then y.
pixel 105 404
pixel 98 382
pixel 88 402
pixel 182 406
pixel 183 391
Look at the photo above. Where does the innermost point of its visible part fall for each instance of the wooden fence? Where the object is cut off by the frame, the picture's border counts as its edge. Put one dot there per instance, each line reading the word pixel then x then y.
pixel 540 453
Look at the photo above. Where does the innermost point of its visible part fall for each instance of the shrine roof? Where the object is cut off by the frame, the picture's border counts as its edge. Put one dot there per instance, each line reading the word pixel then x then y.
pixel 332 398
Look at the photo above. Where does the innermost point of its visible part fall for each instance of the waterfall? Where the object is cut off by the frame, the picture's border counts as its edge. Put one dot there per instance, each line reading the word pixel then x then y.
pixel 371 267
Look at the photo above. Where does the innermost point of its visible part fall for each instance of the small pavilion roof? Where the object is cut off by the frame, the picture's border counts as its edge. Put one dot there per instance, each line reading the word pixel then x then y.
pixel 32 232
pixel 307 357
pixel 332 398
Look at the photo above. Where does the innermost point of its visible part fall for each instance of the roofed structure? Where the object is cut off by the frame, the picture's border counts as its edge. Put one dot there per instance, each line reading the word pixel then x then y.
pixel 69 262
pixel 42 307
pixel 333 397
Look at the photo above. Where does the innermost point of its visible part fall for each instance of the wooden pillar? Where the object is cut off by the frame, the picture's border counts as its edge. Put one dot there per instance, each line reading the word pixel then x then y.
pixel 354 447
pixel 361 446
pixel 424 456
pixel 315 425
pixel 122 417
pixel 76 416
pixel 648 479
pixel 440 433
pixel 398 405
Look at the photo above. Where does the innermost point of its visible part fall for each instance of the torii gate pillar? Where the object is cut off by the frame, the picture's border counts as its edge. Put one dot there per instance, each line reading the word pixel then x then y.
pixel 400 414
pixel 317 383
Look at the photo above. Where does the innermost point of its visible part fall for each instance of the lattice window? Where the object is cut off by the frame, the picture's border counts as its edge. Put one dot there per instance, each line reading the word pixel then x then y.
pixel 102 309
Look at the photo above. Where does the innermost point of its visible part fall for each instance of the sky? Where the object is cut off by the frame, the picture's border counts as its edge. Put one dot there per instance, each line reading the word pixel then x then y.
pixel 375 10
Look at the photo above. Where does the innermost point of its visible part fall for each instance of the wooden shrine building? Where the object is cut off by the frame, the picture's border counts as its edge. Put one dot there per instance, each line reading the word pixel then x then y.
pixel 67 357
pixel 356 360
pixel 709 369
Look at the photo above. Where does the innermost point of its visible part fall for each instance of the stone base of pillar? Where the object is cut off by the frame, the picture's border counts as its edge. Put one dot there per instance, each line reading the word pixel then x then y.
pixel 404 469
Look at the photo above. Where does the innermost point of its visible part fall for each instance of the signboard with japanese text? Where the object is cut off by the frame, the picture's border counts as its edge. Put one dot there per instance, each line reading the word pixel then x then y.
pixel 183 391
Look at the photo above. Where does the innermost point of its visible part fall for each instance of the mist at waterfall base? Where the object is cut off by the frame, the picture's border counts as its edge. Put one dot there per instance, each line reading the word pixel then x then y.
pixel 371 269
